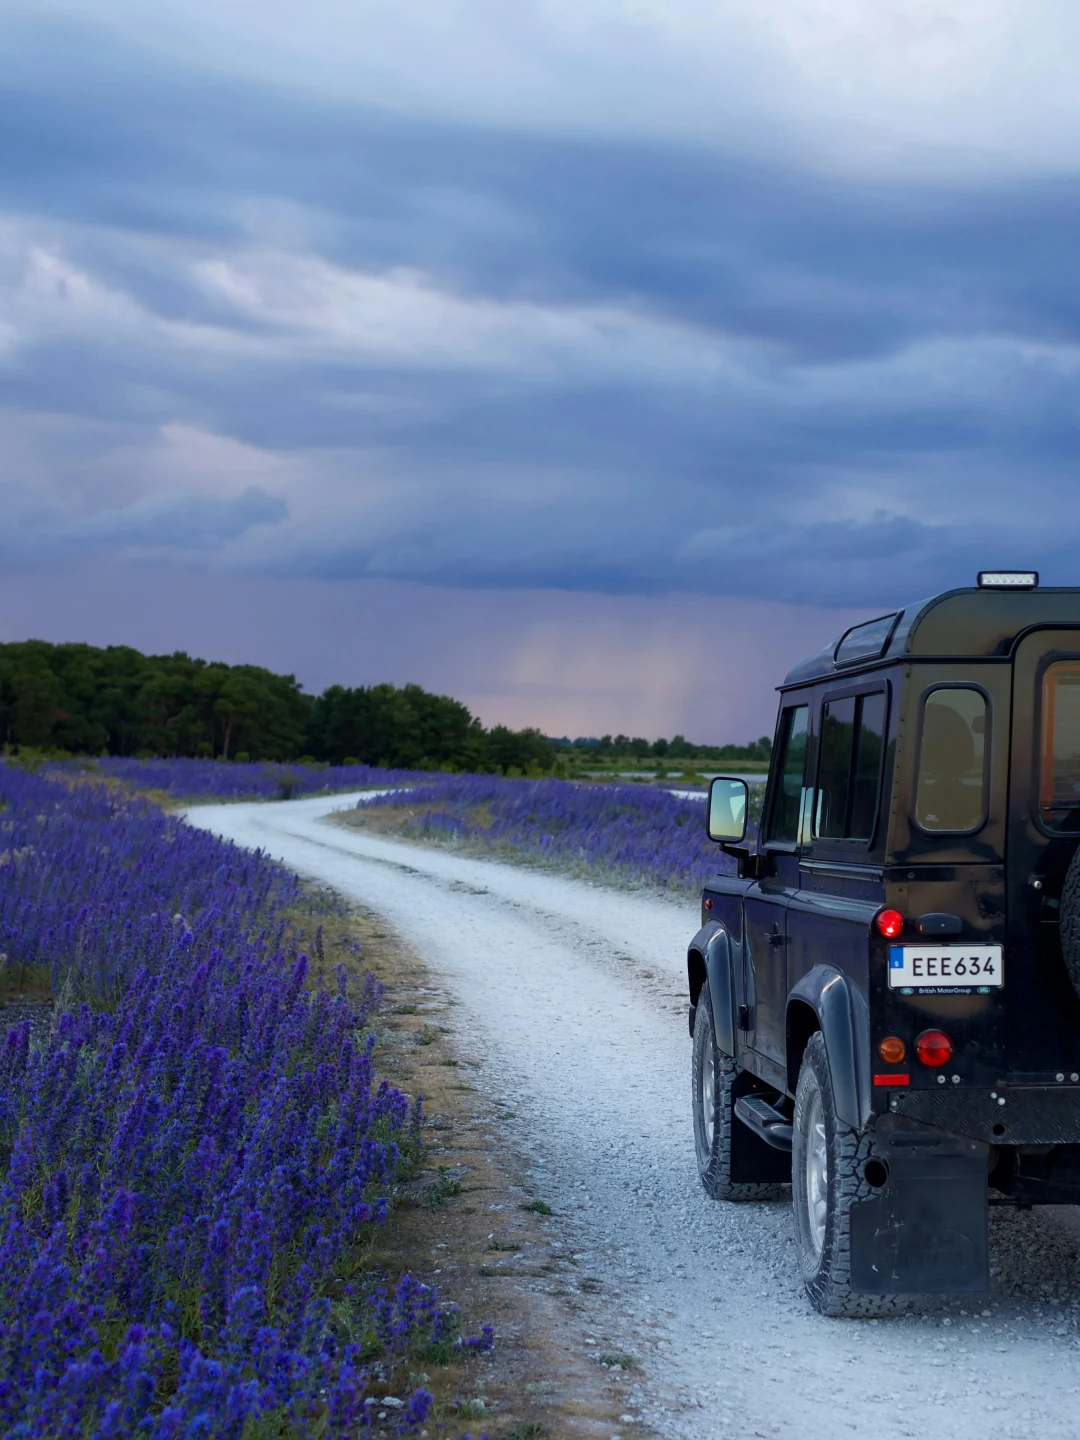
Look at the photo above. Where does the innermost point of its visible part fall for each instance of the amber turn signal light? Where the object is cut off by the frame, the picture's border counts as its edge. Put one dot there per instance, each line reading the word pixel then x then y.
pixel 934 1048
pixel 892 1050
pixel 890 923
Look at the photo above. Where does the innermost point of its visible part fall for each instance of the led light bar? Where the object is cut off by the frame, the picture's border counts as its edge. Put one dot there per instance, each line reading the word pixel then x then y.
pixel 1008 579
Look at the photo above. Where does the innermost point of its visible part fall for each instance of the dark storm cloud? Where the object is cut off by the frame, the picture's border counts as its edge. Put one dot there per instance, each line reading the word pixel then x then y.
pixel 170 522
pixel 821 270
pixel 178 521
pixel 817 390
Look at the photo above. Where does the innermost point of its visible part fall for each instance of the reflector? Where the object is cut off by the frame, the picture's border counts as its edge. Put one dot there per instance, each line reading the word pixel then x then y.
pixel 1008 579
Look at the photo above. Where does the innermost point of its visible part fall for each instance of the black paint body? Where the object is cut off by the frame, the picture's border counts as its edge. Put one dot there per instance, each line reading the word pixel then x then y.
pixel 790 946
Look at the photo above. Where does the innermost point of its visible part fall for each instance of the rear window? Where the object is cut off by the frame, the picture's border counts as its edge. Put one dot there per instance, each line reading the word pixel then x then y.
pixel 852 734
pixel 1059 770
pixel 951 792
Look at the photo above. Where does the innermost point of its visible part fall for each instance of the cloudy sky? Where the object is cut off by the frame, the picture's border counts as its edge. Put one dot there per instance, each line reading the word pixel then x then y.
pixel 590 359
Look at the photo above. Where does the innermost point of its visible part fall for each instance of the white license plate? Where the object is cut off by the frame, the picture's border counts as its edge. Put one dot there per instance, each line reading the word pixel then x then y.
pixel 946 967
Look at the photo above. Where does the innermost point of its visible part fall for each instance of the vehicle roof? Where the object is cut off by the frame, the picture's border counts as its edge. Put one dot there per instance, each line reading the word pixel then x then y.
pixel 958 625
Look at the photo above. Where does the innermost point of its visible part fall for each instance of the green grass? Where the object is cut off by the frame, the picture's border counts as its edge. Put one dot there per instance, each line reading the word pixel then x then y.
pixel 444 1188
pixel 471 1409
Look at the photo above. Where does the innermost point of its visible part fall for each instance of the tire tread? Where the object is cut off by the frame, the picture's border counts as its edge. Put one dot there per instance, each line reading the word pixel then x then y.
pixel 829 1283
pixel 716 1173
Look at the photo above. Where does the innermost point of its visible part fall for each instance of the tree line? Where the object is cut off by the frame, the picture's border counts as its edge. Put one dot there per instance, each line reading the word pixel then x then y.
pixel 91 701
pixel 625 747
pixel 116 701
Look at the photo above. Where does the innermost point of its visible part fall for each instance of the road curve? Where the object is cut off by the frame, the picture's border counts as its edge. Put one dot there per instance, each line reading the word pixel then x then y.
pixel 574 997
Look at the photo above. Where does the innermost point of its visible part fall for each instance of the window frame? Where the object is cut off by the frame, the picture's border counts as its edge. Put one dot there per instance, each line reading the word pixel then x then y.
pixel 789 847
pixel 988 752
pixel 872 686
pixel 1054 658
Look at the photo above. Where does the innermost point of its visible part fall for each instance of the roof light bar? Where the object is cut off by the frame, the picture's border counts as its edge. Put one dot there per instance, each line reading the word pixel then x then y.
pixel 1008 579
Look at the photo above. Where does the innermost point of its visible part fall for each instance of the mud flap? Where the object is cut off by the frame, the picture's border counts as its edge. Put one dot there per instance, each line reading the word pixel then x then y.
pixel 925 1230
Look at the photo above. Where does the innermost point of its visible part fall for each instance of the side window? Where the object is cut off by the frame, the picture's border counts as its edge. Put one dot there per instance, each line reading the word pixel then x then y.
pixel 1059 769
pixel 852 738
pixel 950 794
pixel 867 773
pixel 834 771
pixel 787 801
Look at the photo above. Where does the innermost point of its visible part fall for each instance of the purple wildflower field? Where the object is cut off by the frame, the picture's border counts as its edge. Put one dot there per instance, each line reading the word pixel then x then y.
pixel 207 780
pixel 192 1158
pixel 639 833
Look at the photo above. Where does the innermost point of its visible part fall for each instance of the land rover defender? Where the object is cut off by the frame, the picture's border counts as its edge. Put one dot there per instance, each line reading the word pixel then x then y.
pixel 885 995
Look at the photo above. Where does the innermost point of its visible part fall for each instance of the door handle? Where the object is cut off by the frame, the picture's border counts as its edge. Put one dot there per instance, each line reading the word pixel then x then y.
pixel 776 938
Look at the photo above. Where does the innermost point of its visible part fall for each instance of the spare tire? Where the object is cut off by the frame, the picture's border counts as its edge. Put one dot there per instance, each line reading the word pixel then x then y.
pixel 1070 920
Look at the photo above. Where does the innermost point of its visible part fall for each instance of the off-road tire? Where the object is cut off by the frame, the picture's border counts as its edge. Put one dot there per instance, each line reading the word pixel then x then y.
pixel 714 1159
pixel 827 1276
pixel 1070 920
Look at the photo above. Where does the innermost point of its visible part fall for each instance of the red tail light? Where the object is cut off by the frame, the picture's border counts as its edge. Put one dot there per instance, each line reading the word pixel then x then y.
pixel 890 923
pixel 934 1048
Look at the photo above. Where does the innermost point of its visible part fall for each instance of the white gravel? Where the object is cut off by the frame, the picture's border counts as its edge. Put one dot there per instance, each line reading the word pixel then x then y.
pixel 574 997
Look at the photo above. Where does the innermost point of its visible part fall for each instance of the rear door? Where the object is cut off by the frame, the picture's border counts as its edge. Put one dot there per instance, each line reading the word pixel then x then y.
pixel 1043 833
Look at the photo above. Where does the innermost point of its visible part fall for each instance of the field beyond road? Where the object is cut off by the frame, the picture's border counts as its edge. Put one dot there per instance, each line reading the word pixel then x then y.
pixel 574 994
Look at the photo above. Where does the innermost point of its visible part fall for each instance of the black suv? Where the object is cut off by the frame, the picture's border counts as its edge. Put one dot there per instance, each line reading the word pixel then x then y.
pixel 885 997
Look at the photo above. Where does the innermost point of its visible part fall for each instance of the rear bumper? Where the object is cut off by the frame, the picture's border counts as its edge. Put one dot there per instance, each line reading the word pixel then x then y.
pixel 1009 1115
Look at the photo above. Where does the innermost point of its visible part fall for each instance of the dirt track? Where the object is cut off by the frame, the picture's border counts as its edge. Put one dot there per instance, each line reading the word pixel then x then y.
pixel 575 996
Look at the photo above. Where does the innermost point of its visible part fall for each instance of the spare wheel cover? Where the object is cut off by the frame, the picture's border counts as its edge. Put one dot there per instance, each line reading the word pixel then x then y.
pixel 1070 920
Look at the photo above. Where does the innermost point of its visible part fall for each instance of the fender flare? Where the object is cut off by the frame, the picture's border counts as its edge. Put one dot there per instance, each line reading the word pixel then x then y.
pixel 710 958
pixel 843 1018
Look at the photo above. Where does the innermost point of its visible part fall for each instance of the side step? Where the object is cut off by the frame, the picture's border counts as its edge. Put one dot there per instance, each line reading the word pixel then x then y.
pixel 756 1113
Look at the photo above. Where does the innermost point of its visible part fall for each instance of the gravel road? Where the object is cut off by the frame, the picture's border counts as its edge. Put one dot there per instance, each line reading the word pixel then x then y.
pixel 574 997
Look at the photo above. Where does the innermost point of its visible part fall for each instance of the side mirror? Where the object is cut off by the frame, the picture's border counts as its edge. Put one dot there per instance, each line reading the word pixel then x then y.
pixel 727 810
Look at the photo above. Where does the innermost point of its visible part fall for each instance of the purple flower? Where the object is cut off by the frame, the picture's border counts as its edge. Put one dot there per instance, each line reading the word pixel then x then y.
pixel 633 832
pixel 196 1148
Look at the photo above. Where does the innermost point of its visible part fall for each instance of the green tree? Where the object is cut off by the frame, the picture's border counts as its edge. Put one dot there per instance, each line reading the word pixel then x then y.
pixel 237 707
pixel 37 706
pixel 526 751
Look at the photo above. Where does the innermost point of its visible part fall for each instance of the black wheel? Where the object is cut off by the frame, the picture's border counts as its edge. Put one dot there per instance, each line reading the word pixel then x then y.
pixel 732 1162
pixel 827 1159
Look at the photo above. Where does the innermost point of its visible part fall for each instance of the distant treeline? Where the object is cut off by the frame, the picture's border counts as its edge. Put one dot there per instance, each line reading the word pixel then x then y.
pixel 678 748
pixel 117 701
